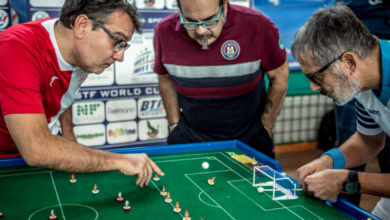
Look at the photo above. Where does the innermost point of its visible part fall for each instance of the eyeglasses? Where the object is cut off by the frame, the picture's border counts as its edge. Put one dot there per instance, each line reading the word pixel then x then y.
pixel 120 44
pixel 206 24
pixel 312 77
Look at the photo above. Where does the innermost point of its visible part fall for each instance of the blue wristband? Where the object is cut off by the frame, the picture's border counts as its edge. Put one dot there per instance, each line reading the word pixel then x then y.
pixel 338 158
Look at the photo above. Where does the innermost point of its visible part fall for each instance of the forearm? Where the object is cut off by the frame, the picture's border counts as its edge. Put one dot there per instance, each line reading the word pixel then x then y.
pixel 277 90
pixel 63 155
pixel 169 96
pixel 67 125
pixel 376 184
pixel 360 149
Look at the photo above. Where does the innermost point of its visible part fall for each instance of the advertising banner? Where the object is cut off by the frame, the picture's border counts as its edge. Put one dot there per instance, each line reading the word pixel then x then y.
pixel 5 15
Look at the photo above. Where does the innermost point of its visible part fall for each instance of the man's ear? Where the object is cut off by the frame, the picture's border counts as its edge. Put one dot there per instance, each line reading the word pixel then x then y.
pixel 350 60
pixel 82 26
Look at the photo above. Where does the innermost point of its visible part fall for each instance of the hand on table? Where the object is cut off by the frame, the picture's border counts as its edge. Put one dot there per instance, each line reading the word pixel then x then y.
pixel 326 184
pixel 141 166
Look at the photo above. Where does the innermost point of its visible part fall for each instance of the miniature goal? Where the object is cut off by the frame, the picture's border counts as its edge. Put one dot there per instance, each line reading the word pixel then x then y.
pixel 281 186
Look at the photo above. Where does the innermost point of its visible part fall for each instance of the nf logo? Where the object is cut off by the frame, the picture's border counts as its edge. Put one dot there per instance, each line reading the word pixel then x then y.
pixel 374 112
pixel 83 110
pixel 88 112
pixel 150 108
pixel 4 19
pixel 52 80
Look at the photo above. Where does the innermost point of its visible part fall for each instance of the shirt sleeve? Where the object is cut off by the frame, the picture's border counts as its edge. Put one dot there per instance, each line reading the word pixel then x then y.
pixel 159 67
pixel 364 123
pixel 20 79
pixel 274 53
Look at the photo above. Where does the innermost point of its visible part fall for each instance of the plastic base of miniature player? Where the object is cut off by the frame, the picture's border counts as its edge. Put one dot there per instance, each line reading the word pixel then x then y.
pixel 126 208
pixel 163 193
pixel 73 180
pixel 119 199
pixel 168 200
pixel 177 210
pixel 95 191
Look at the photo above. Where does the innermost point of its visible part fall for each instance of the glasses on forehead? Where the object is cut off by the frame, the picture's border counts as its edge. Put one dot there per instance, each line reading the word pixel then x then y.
pixel 120 44
pixel 206 24
pixel 312 77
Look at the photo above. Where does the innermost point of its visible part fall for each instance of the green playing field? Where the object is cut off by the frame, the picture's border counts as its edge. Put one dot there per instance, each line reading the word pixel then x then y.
pixel 31 193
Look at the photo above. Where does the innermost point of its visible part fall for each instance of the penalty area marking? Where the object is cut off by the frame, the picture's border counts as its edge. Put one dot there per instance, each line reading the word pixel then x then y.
pixel 97 214
pixel 206 202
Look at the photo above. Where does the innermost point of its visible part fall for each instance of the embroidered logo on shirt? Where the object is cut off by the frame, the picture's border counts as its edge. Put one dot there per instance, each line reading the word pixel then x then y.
pixel 83 77
pixel 374 112
pixel 230 50
pixel 281 44
pixel 52 80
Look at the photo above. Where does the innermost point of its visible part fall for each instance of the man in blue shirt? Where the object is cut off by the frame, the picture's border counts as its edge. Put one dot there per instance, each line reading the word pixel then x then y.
pixel 375 15
pixel 343 60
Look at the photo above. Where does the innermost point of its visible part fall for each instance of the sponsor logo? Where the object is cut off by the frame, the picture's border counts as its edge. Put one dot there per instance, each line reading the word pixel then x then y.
pixel 122 132
pixel 153 129
pixel 39 15
pixel 89 136
pixel 52 80
pixel 149 3
pixel 281 45
pixel 144 63
pixel 119 110
pixel 374 112
pixel 85 113
pixel 83 110
pixel 230 50
pixel 4 19
pixel 150 108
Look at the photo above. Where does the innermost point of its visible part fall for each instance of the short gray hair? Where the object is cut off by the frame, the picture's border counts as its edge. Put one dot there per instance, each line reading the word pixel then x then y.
pixel 331 31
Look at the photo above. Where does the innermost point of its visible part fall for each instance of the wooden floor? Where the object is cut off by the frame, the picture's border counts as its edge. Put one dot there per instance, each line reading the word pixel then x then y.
pixel 291 161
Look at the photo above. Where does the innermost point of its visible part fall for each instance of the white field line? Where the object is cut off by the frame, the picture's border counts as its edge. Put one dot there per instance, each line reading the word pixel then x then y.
pixel 210 197
pixel 97 214
pixel 165 197
pixel 58 198
pixel 25 174
pixel 251 184
pixel 5 171
pixel 206 202
pixel 209 172
pixel 182 155
pixel 197 158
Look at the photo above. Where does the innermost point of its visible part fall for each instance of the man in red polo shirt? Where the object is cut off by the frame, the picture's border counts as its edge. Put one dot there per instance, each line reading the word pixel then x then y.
pixel 42 66
pixel 211 58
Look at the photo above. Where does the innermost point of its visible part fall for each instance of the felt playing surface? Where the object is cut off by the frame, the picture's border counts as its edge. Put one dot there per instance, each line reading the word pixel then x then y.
pixel 31 193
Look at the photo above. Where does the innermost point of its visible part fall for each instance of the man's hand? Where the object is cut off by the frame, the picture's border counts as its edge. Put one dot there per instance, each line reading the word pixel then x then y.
pixel 141 166
pixel 326 184
pixel 322 163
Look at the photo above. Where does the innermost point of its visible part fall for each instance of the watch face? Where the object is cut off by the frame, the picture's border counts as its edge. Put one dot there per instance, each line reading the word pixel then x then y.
pixel 352 187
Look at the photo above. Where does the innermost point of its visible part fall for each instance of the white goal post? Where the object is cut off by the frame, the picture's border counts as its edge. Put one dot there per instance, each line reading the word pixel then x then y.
pixel 283 187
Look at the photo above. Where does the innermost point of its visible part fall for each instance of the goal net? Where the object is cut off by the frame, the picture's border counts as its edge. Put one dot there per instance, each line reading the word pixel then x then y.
pixel 270 180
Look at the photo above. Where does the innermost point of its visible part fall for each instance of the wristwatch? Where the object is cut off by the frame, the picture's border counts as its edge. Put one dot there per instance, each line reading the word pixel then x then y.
pixel 351 185
pixel 170 127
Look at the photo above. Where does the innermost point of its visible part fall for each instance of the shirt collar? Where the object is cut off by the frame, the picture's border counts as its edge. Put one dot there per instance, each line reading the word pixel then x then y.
pixel 229 20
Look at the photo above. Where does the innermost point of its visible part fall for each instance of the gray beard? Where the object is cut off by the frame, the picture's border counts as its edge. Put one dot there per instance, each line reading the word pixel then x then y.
pixel 205 44
pixel 345 89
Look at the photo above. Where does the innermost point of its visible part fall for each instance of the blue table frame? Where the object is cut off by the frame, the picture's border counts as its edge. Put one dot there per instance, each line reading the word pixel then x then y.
pixel 343 205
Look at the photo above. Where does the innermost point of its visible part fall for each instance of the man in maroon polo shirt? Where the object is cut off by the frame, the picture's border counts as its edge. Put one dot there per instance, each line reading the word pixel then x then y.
pixel 211 58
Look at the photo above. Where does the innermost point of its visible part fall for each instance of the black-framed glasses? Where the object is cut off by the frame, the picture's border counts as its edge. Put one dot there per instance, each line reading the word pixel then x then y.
pixel 312 77
pixel 120 44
